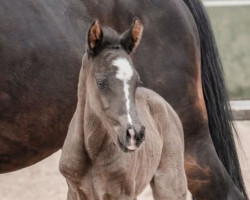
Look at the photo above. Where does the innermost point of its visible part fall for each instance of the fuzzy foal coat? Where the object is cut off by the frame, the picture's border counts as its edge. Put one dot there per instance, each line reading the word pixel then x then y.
pixel 96 168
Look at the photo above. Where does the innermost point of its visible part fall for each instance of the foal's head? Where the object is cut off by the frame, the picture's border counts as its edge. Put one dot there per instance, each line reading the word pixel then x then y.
pixel 114 80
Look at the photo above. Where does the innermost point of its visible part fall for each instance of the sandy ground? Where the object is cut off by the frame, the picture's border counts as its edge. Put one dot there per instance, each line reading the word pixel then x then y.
pixel 44 182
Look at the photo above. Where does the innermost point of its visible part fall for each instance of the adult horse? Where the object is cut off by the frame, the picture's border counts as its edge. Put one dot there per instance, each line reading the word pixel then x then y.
pixel 41 44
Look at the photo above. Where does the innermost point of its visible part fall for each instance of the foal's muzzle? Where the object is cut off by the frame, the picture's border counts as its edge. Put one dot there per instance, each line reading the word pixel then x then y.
pixel 134 138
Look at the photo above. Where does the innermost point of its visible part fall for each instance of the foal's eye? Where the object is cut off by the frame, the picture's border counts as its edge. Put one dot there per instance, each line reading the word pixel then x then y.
pixel 101 84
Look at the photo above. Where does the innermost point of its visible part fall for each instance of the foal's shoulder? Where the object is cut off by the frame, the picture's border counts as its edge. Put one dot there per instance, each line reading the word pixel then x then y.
pixel 159 108
pixel 150 97
pixel 156 103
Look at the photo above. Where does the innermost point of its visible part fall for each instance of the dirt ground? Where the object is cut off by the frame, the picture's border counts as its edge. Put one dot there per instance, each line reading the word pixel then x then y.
pixel 43 181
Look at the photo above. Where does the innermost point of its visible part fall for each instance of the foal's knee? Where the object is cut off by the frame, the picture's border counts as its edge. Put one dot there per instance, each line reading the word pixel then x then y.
pixel 167 186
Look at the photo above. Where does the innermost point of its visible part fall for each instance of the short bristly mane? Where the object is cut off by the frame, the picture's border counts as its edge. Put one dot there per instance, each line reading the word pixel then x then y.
pixel 111 40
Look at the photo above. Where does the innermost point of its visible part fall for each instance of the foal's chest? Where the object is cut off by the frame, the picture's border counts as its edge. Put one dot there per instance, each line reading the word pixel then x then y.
pixel 126 177
pixel 107 183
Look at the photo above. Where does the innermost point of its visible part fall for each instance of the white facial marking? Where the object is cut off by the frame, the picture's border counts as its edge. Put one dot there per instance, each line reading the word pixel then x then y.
pixel 124 73
pixel 132 145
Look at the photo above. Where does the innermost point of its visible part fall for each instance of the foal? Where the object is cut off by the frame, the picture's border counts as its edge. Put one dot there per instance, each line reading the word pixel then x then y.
pixel 122 137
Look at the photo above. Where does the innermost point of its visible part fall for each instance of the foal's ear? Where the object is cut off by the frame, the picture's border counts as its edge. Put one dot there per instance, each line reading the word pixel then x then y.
pixel 95 37
pixel 132 37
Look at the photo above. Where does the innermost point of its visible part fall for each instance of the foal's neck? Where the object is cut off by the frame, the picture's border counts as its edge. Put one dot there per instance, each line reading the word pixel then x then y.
pixel 100 139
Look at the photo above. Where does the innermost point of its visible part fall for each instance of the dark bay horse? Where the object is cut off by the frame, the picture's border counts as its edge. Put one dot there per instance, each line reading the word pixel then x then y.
pixel 122 137
pixel 41 44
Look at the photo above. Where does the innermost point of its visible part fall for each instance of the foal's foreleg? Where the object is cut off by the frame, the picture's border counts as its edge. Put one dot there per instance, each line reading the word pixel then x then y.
pixel 168 185
pixel 169 182
pixel 74 192
pixel 71 195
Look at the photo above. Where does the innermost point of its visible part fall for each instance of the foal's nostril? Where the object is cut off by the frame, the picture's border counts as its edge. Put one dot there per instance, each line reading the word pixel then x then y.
pixel 142 131
pixel 132 134
pixel 128 133
pixel 140 136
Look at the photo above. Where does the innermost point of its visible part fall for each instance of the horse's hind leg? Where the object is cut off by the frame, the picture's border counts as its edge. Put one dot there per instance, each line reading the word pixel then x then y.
pixel 204 170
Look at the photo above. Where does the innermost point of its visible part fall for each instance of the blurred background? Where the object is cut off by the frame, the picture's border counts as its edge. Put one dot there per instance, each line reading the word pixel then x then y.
pixel 231 25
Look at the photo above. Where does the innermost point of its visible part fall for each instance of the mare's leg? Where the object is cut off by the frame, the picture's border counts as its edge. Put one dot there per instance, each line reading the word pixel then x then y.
pixel 170 182
pixel 204 170
pixel 207 177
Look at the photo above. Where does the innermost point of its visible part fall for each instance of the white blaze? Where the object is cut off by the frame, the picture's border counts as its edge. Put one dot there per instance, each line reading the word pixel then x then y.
pixel 124 73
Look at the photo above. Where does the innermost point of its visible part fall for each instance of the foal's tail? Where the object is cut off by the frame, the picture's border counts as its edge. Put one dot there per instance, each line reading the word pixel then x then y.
pixel 216 98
